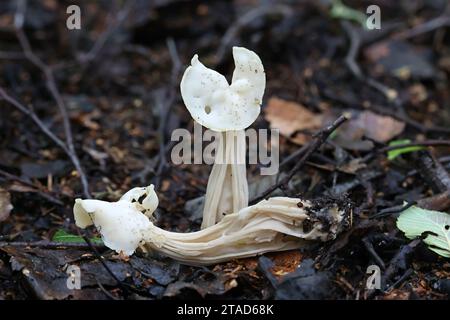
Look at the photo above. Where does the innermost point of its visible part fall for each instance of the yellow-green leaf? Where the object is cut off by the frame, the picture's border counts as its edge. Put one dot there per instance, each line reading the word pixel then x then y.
pixel 434 225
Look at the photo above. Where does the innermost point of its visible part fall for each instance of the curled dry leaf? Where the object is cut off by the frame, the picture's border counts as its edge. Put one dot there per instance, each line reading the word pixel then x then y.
pixel 5 204
pixel 291 118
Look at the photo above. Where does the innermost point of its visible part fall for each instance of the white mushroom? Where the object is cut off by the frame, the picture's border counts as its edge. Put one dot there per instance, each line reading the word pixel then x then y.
pixel 271 225
pixel 228 109
pixel 122 224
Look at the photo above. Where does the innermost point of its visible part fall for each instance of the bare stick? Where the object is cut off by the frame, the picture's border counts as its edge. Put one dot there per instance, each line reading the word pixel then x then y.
pixel 165 102
pixel 320 139
pixel 247 18
pixel 43 194
pixel 350 60
pixel 68 147
pixel 48 244
pixel 428 26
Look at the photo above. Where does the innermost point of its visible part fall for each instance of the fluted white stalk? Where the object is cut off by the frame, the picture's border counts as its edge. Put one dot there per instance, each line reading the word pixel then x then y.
pixel 228 109
pixel 227 189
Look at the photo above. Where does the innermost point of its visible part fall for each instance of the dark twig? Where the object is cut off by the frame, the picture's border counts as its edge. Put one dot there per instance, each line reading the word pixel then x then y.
pixel 350 59
pixel 102 261
pixel 68 146
pixel 125 287
pixel 438 202
pixel 246 19
pixel 400 280
pixel 30 113
pixel 393 210
pixel 165 101
pixel 428 26
pixel 319 139
pixel 48 244
pixel 115 22
pixel 399 261
pixel 106 292
pixel 432 171
pixel 43 194
pixel 292 157
pixel 369 246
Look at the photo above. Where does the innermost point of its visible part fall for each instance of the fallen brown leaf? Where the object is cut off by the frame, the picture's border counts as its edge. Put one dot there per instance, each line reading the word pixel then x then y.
pixel 290 118
pixel 369 125
pixel 379 128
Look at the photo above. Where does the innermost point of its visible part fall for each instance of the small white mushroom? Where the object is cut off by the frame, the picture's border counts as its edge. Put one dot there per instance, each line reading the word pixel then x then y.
pixel 123 224
pixel 228 109
pixel 275 224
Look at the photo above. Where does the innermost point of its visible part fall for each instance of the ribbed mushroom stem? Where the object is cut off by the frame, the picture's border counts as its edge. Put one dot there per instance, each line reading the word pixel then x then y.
pixel 227 189
pixel 271 225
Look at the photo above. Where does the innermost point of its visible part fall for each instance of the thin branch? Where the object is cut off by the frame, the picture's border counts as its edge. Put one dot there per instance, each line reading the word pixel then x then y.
pixel 350 60
pixel 68 146
pixel 43 194
pixel 115 22
pixel 102 261
pixel 319 139
pixel 246 19
pixel 428 26
pixel 369 246
pixel 165 101
pixel 48 244
pixel 30 113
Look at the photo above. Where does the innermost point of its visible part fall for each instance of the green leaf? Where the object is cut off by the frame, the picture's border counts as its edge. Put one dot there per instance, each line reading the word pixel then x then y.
pixel 341 11
pixel 63 236
pixel 415 222
pixel 391 155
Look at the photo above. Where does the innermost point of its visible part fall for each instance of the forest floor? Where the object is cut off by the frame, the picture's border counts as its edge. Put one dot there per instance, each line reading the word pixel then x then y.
pixel 90 113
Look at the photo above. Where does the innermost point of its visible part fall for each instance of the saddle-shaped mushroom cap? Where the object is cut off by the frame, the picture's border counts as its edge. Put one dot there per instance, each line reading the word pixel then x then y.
pixel 215 104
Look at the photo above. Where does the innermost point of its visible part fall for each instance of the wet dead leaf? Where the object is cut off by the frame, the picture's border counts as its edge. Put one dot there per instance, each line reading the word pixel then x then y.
pixel 368 124
pixel 291 119
pixel 5 204
pixel 379 128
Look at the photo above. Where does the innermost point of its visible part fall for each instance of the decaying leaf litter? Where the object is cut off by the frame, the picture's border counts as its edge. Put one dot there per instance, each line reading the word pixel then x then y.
pixel 115 90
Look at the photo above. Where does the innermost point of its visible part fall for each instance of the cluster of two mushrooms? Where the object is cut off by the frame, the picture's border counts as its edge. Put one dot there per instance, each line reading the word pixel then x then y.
pixel 230 228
